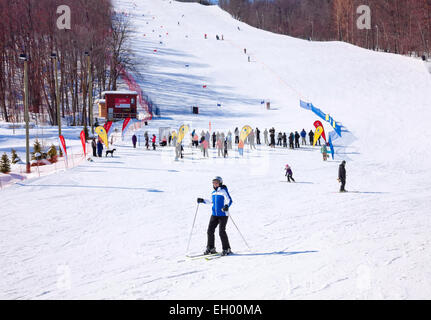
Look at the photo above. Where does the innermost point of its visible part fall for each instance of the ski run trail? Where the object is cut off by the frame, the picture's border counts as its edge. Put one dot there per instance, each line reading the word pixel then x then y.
pixel 117 228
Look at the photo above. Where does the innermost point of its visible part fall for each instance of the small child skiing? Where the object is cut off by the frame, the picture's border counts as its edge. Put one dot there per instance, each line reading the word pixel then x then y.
pixel 324 151
pixel 289 173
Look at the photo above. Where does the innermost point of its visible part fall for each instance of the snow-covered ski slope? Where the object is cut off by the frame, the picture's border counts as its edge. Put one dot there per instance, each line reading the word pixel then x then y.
pixel 375 95
pixel 118 227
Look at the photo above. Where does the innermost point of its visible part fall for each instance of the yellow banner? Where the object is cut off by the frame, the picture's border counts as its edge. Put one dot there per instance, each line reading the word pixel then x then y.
pixel 184 129
pixel 102 134
pixel 245 131
pixel 317 134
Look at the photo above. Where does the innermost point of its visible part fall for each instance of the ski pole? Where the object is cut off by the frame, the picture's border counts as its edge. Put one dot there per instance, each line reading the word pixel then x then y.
pixel 191 231
pixel 239 232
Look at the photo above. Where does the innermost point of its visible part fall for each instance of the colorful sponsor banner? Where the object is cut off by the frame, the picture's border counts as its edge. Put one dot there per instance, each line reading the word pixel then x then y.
pixel 107 126
pixel 126 123
pixel 184 129
pixel 319 124
pixel 245 131
pixel 309 106
pixel 102 135
pixel 317 134
pixel 82 135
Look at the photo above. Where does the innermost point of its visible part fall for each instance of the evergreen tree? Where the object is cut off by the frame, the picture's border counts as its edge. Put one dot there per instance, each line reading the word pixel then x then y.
pixel 37 148
pixel 52 153
pixel 15 157
pixel 4 163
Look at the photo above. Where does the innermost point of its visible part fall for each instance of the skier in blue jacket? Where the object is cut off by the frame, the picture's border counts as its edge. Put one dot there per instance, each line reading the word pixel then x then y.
pixel 221 201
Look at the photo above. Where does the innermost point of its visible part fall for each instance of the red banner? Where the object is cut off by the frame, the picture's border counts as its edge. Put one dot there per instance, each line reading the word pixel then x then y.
pixel 319 124
pixel 83 142
pixel 63 149
pixel 125 125
pixel 107 126
pixel 63 145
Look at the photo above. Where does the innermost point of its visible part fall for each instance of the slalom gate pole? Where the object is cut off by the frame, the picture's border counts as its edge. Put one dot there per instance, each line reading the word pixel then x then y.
pixel 230 216
pixel 191 231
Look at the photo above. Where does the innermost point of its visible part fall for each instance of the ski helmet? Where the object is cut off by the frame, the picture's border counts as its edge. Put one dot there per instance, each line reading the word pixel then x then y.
pixel 219 179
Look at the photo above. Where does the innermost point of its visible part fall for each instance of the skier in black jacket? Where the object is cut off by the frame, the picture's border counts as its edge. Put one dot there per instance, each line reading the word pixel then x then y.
pixel 291 138
pixel 297 136
pixel 284 140
pixel 272 137
pixel 342 176
pixel 257 136
pixel 311 135
pixel 214 137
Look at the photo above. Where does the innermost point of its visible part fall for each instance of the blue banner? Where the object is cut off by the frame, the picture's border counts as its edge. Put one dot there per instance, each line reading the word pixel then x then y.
pixel 322 115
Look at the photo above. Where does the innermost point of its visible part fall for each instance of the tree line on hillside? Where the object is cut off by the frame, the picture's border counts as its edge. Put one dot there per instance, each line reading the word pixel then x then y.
pixel 96 42
pixel 398 26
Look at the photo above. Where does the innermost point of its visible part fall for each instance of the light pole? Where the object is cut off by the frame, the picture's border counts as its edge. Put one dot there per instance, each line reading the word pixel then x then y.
pixel 377 27
pixel 26 116
pixel 57 94
pixel 90 91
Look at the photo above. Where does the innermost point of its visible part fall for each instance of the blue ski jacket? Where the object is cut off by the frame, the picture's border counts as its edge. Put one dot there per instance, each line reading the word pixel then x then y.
pixel 219 198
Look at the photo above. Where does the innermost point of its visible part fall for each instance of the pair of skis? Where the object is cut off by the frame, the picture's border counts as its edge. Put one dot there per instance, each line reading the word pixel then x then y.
pixel 207 257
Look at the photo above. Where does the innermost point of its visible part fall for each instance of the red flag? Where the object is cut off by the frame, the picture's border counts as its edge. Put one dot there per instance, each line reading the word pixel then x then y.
pixel 63 149
pixel 83 142
pixel 107 126
pixel 63 145
pixel 125 124
pixel 319 124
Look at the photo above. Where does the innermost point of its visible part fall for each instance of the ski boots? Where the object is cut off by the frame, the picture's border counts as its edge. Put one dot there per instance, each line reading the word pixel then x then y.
pixel 226 252
pixel 210 251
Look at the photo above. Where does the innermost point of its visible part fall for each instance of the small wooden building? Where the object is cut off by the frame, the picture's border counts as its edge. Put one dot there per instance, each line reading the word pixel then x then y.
pixel 116 105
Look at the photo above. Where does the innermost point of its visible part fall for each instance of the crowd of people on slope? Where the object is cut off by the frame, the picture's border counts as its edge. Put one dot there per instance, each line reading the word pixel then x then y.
pixel 224 142
pixel 295 139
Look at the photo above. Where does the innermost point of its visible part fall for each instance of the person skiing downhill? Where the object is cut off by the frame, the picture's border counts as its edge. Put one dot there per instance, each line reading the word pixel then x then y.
pixel 221 201
pixel 289 173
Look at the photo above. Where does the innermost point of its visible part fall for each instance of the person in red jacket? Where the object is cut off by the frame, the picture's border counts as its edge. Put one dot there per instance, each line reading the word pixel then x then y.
pixel 153 140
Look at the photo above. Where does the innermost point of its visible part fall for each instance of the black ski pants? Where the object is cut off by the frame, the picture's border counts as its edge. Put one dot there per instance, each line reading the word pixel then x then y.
pixel 221 222
pixel 343 184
